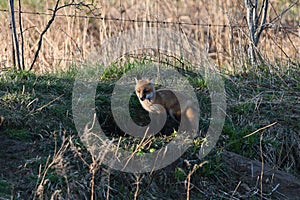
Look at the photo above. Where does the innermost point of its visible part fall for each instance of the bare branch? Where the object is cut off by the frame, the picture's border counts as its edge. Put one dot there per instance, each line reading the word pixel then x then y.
pixel 262 22
pixel 256 24
pixel 43 33
pixel 54 11
pixel 251 27
pixel 284 11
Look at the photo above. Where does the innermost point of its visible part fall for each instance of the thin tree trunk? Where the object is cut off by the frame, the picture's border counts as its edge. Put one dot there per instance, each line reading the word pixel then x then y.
pixel 256 24
pixel 251 28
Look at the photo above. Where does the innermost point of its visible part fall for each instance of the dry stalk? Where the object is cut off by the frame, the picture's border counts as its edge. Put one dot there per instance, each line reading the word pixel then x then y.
pixel 262 165
pixel 217 26
pixel 137 189
pixel 260 129
pixel 108 185
pixel 188 178
pixel 57 156
pixel 235 189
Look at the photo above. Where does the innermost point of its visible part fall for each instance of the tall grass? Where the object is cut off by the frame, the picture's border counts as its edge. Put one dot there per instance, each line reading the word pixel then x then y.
pixel 53 163
pixel 70 39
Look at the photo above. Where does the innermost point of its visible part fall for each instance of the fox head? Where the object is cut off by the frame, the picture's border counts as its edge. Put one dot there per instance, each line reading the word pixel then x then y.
pixel 144 88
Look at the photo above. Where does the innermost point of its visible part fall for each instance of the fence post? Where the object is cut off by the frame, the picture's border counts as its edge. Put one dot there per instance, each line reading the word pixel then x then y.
pixel 21 35
pixel 14 34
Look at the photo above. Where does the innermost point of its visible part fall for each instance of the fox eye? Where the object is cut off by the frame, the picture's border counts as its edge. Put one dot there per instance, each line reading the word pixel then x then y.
pixel 138 91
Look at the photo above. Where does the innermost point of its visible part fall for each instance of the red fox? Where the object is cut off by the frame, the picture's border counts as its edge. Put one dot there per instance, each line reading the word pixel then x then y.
pixel 184 112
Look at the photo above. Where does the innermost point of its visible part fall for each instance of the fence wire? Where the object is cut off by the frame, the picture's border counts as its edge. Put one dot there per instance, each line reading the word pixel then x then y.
pixel 224 42
pixel 267 26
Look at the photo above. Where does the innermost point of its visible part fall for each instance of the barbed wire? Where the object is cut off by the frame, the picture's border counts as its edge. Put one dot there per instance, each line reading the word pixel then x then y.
pixel 268 26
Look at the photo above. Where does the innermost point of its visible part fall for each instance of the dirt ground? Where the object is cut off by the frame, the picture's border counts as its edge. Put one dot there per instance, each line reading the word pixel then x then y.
pixel 16 155
pixel 272 180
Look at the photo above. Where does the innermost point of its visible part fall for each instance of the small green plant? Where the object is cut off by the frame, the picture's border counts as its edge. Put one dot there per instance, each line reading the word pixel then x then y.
pixel 5 189
pixel 18 134
pixel 180 174
pixel 37 111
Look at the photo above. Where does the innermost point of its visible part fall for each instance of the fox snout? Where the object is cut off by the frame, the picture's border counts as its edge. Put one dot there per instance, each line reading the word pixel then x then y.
pixel 143 98
pixel 148 96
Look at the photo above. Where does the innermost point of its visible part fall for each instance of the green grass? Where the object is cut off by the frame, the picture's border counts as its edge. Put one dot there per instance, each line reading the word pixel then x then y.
pixel 33 103
pixel 38 113
pixel 5 188
pixel 19 134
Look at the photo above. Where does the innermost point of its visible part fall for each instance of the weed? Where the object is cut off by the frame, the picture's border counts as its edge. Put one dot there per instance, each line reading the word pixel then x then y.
pixel 37 110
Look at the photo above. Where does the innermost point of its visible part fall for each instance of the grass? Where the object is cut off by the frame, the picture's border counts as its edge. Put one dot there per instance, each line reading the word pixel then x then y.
pixel 42 156
pixel 262 100
pixel 28 99
pixel 4 188
pixel 74 37
pixel 38 119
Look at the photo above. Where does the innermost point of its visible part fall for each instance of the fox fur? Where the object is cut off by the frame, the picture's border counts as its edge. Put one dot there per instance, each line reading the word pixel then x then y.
pixel 150 99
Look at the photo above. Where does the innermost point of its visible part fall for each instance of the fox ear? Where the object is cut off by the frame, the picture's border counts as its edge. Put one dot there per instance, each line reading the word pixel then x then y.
pixel 137 78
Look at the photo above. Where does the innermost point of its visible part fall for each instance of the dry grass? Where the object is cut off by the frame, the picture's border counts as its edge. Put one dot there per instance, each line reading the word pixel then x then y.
pixel 70 39
pixel 43 157
pixel 48 160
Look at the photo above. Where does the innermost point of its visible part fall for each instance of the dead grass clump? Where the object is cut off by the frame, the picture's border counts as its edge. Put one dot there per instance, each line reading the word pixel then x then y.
pixel 218 26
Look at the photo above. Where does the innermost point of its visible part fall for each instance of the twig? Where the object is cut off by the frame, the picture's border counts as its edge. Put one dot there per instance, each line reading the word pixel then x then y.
pixel 284 11
pixel 262 165
pixel 235 189
pixel 93 169
pixel 43 33
pixel 53 16
pixel 108 187
pixel 138 147
pixel 188 178
pixel 136 193
pixel 260 129
pixel 42 176
pixel 1 120
pixel 41 108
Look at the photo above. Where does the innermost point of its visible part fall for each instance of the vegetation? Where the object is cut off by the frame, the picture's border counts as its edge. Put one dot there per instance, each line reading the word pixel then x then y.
pixel 40 143
pixel 218 26
pixel 43 157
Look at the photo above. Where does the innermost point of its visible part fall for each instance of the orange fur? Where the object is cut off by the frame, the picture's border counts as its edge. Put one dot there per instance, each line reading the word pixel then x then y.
pixel 150 100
